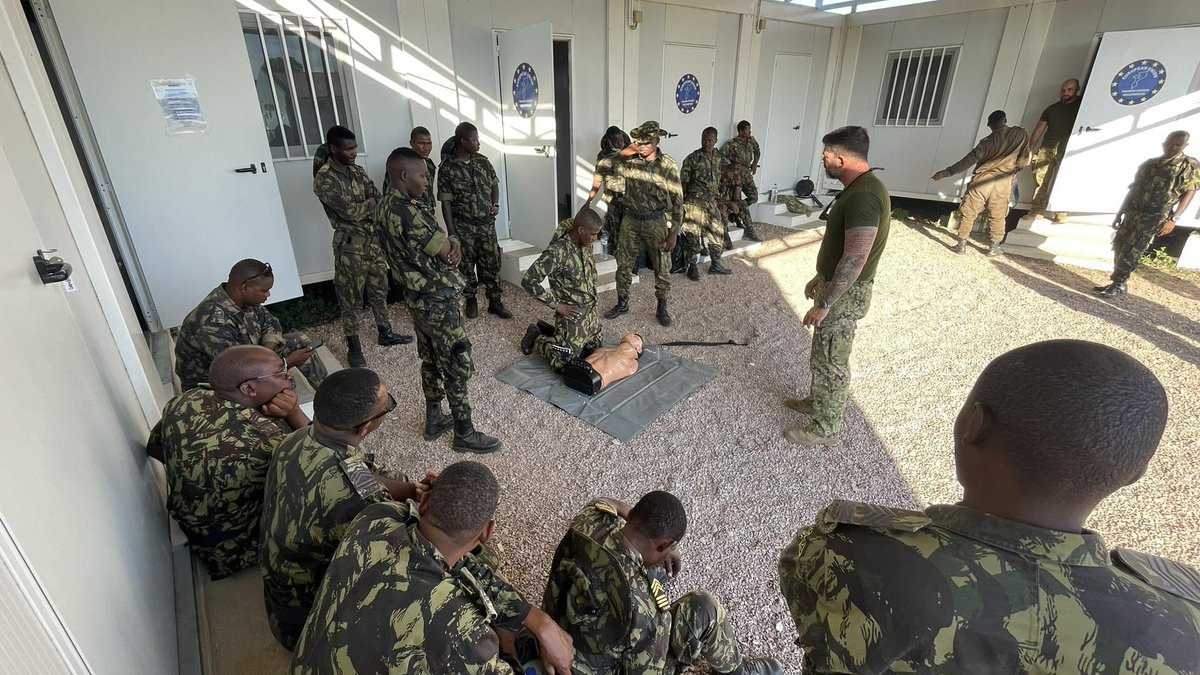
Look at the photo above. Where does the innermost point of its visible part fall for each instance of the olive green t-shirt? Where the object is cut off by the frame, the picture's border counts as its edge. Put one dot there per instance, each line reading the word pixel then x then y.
pixel 865 203
pixel 1060 120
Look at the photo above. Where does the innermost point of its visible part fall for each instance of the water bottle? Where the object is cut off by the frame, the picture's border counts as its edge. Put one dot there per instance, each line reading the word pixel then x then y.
pixel 774 193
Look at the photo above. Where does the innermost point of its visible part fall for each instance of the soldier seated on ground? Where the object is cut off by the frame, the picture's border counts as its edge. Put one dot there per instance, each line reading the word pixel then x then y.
pixel 233 314
pixel 216 441
pixel 1008 580
pixel 405 594
pixel 606 589
pixel 571 268
pixel 318 480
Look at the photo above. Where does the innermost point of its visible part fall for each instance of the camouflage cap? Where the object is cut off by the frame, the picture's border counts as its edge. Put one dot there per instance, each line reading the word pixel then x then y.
pixel 648 131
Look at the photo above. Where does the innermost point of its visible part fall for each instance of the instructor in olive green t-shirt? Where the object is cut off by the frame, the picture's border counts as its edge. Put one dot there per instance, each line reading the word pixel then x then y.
pixel 856 233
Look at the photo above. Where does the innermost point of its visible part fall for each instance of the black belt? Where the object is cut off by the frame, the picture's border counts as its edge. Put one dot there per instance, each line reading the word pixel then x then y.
pixel 649 215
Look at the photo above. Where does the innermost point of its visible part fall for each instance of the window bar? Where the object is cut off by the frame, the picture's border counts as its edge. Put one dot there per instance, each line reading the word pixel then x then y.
pixel 889 119
pixel 312 89
pixel 299 121
pixel 262 44
pixel 337 119
pixel 936 84
pixel 904 90
pixel 921 118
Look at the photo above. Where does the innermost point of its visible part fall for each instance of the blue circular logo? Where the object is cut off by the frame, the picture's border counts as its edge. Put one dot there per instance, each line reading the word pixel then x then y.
pixel 1138 82
pixel 525 90
pixel 687 94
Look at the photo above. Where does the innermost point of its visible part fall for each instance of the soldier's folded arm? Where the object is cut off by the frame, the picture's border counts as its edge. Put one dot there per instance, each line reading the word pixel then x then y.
pixel 342 203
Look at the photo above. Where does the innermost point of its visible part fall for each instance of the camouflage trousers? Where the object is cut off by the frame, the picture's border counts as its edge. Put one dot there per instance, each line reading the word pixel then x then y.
pixel 358 267
pixel 573 338
pixel 612 222
pixel 701 218
pixel 1045 170
pixel 651 234
pixel 1132 241
pixel 829 360
pixel 445 351
pixel 990 194
pixel 480 257
pixel 313 370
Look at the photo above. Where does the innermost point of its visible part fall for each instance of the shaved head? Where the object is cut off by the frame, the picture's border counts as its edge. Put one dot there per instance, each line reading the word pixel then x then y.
pixel 239 363
pixel 244 270
pixel 587 217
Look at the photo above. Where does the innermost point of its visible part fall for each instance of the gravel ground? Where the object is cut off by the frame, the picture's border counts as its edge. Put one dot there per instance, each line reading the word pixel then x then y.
pixel 936 320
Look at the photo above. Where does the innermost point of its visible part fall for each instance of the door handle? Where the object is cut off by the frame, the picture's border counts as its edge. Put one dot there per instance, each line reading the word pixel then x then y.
pixel 543 151
pixel 264 166
pixel 1091 128
pixel 797 127
pixel 247 169
pixel 51 270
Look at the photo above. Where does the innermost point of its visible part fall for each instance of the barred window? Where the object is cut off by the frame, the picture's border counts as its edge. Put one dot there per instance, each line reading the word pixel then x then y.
pixel 916 87
pixel 304 75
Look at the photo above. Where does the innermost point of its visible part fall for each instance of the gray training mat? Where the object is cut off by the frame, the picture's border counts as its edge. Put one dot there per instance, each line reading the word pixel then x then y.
pixel 625 409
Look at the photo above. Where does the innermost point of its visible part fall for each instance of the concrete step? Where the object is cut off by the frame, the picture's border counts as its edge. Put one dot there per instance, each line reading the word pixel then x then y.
pixel 773 213
pixel 608 282
pixel 1083 242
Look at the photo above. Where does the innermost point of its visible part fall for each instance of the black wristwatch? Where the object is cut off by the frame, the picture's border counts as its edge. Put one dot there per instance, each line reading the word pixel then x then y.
pixel 823 304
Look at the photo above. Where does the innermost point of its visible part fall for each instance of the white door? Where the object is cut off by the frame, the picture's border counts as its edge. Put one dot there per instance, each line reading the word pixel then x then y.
pixel 189 213
pixel 1144 84
pixel 526 58
pixel 687 98
pixel 785 124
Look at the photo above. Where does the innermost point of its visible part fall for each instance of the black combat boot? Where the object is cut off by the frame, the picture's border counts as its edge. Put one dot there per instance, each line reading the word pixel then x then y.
pixel 436 421
pixel 693 272
pixel 664 317
pixel 1115 289
pixel 618 309
pixel 749 233
pixel 471 310
pixel 758 666
pixel 354 352
pixel 715 267
pixel 531 336
pixel 469 439
pixel 497 307
pixel 960 247
pixel 387 338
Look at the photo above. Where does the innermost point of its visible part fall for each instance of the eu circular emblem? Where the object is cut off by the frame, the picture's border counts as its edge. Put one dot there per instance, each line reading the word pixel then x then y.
pixel 525 90
pixel 687 93
pixel 1138 82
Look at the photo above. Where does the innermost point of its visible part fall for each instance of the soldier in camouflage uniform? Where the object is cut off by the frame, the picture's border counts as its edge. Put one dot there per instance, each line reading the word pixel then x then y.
pixel 349 197
pixel 425 262
pixel 215 442
pixel 318 480
pixel 606 588
pixel 405 594
pixel 422 142
pixel 1161 191
pixel 1008 580
pixel 571 268
pixel 470 194
pixel 856 234
pixel 701 181
pixel 743 152
pixel 607 177
pixel 233 314
pixel 652 193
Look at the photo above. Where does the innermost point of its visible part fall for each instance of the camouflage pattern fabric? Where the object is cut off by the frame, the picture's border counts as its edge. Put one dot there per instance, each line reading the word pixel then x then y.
pixel 571 270
pixel 954 590
pixel 358 264
pixel 315 486
pixel 1045 170
pixel 730 190
pixel 650 235
pixel 216 454
pixel 429 196
pixel 433 292
pixel 390 604
pixel 467 185
pixel 614 189
pixel 618 613
pixel 218 323
pixel 320 158
pixel 1157 186
pixel 701 181
pixel 829 359
pixel 795 205
pixel 652 193
pixel 745 153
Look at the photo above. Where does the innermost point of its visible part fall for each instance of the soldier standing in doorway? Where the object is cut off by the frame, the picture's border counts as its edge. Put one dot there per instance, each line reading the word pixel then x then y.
pixel 743 152
pixel 349 197
pixel 606 176
pixel 1049 142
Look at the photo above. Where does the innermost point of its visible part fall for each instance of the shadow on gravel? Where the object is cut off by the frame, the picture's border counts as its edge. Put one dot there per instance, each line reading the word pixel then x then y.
pixel 1148 320
pixel 1187 289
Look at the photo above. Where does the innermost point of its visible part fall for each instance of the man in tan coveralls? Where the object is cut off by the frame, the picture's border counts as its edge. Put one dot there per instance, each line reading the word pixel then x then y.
pixel 997 159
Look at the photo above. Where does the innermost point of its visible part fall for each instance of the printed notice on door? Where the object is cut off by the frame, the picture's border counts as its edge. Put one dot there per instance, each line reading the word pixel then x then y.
pixel 180 105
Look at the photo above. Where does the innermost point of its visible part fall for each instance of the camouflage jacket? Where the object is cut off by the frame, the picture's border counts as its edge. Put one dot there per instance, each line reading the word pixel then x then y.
pixel 606 170
pixel 954 590
pixel 467 184
pixel 701 175
pixel 571 270
pixel 617 614
pixel 730 190
pixel 390 604
pixel 345 191
pixel 743 152
pixel 216 324
pixel 429 196
pixel 314 488
pixel 216 454
pixel 652 187
pixel 411 240
pixel 1159 184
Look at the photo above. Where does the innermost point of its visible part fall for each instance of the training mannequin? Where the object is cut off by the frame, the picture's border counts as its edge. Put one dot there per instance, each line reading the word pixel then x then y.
pixel 605 366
